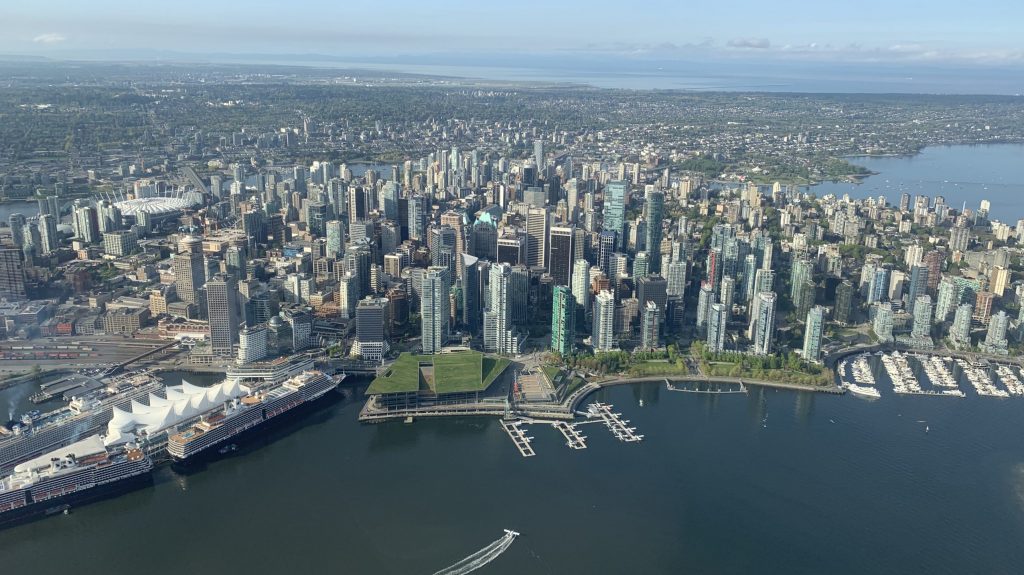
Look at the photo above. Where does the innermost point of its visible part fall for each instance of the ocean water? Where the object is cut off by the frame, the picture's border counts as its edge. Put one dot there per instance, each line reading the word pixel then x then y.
pixel 769 482
pixel 959 173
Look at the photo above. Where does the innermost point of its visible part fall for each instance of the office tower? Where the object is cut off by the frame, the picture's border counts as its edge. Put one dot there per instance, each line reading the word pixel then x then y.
pixel 650 326
pixel 538 154
pixel 922 315
pixel 371 329
pixel 442 243
pixel 389 201
pixel 999 279
pixel 87 227
pixel 317 216
pixel 335 239
pixel 12 275
pixel 675 275
pixel 222 311
pixel 562 254
pixel 300 324
pixel 883 322
pixel 983 306
pixel 717 323
pixel 17 224
pixel 641 265
pixel 572 201
pixel 605 248
pixel 348 294
pixel 472 289
pixel 764 332
pixel 537 224
pixel 435 309
pixel 252 343
pixel 357 261
pixel 844 302
pixel 120 243
pixel 704 303
pixel 813 330
pixel 419 215
pixel 511 249
pixel 615 198
pixel 484 241
pixel 655 208
pixel 603 335
pixel 563 320
pixel 499 333
pixel 960 332
pixel 189 269
pixel 995 339
pixel 254 224
pixel 47 234
pixel 581 286
pixel 652 288
pixel 918 285
pixel 234 259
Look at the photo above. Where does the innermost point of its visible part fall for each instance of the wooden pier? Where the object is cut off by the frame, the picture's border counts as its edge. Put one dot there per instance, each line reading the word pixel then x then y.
pixel 573 438
pixel 518 436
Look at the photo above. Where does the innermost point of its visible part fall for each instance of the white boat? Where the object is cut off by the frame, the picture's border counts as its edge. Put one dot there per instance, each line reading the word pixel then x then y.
pixel 863 391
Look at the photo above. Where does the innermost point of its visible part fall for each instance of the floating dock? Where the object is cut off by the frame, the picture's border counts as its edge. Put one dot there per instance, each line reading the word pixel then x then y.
pixel 707 387
pixel 614 422
pixel 518 435
pixel 573 437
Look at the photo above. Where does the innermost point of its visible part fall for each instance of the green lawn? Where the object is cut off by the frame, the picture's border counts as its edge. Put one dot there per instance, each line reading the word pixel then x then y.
pixel 402 376
pixel 492 368
pixel 458 372
pixel 551 372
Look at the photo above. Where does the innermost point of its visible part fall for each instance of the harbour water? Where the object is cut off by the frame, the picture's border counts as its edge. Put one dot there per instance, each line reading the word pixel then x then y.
pixel 959 173
pixel 769 482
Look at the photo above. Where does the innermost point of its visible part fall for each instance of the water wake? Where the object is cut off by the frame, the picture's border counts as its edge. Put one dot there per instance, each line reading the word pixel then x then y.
pixel 481 557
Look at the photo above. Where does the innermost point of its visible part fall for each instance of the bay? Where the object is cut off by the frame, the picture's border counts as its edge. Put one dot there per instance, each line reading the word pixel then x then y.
pixel 770 482
pixel 958 173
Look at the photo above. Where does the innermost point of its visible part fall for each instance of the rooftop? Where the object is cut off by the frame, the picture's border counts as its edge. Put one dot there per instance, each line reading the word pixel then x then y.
pixel 458 372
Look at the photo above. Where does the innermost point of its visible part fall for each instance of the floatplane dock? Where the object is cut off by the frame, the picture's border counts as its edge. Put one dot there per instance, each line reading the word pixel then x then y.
pixel 613 421
pixel 519 437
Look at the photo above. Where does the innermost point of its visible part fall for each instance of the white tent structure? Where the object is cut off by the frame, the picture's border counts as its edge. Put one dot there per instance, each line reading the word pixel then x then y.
pixel 183 403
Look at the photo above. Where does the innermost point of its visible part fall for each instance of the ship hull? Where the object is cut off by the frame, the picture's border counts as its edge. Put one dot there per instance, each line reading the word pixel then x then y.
pixel 57 506
pixel 252 434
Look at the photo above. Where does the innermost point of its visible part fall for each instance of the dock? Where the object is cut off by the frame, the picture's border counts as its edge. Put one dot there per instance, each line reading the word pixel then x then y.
pixel 614 422
pixel 573 437
pixel 518 436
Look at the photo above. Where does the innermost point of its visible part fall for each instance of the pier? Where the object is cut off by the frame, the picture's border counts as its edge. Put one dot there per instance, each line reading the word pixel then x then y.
pixel 613 421
pixel 573 438
pixel 518 436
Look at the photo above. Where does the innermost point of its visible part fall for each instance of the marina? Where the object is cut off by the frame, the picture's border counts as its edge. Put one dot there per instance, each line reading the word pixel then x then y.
pixel 573 438
pixel 1010 380
pixel 938 373
pixel 981 380
pixel 613 421
pixel 518 434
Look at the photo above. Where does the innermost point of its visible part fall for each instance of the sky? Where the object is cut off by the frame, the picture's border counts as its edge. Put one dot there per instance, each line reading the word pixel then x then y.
pixel 899 45
pixel 981 31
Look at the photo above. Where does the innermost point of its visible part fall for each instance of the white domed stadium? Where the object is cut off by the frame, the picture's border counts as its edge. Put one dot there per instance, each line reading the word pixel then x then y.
pixel 157 207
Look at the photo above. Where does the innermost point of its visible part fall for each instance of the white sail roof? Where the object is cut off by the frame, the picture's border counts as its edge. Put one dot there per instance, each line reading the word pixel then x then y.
pixel 183 402
pixel 88 446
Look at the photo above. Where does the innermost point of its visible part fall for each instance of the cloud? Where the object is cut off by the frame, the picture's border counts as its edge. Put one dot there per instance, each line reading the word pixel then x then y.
pixel 751 43
pixel 49 38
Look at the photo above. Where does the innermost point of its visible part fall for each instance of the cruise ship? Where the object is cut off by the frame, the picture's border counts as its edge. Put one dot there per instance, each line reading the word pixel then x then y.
pixel 34 434
pixel 78 473
pixel 245 413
